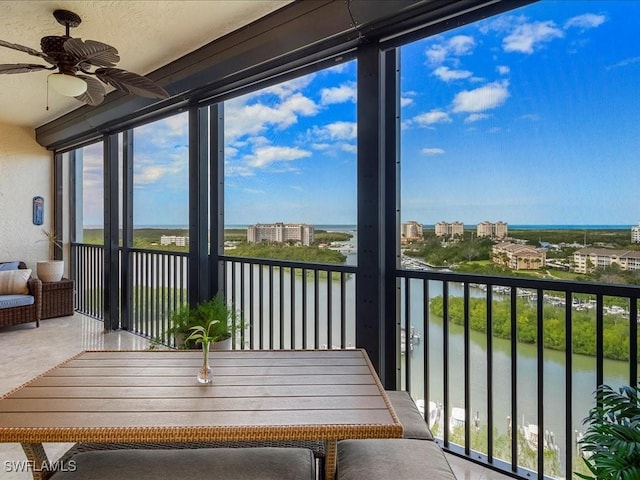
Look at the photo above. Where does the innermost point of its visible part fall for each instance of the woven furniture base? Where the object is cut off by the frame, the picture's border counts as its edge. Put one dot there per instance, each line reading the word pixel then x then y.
pixel 57 299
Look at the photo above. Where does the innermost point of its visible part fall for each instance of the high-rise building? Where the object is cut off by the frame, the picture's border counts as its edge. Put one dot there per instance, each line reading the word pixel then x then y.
pixel 411 230
pixel 281 232
pixel 445 229
pixel 497 230
pixel 635 234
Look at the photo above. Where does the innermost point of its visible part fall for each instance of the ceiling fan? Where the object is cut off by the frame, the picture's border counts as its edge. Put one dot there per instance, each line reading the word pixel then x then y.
pixel 74 59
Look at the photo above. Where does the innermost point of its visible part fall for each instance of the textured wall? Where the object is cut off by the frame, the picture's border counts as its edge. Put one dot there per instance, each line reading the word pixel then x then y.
pixel 26 170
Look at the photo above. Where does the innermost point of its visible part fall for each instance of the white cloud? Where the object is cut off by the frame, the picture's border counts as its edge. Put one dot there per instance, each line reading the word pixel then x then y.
pixel 264 156
pixel 337 131
pixel 321 146
pixel 299 104
pixel 524 38
pixel 446 74
pixel 437 53
pixel 341 94
pixel 150 170
pixel 285 89
pixel 503 69
pixel 533 117
pixel 480 99
pixel 585 21
pixel 501 23
pixel 475 117
pixel 461 44
pixel 457 46
pixel 405 101
pixel 243 119
pixel 432 117
pixel 253 191
pixel 432 151
pixel 624 63
pixel 349 148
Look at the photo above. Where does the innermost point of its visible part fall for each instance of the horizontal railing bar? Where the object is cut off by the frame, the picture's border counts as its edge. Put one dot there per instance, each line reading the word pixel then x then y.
pixel 629 291
pixel 323 267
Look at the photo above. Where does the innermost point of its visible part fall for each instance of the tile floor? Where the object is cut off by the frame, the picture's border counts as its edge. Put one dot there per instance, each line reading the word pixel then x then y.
pixel 27 351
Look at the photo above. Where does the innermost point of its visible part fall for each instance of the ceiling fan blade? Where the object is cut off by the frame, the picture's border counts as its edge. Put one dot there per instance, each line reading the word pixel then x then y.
pixel 28 50
pixel 22 68
pixel 130 82
pixel 95 91
pixel 92 52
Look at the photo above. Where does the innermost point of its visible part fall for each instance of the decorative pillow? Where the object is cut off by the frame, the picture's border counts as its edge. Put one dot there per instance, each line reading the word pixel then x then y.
pixel 8 266
pixel 15 282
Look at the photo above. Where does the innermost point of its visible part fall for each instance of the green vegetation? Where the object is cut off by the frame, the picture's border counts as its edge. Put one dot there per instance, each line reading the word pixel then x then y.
pixel 287 252
pixel 611 444
pixel 616 327
pixel 437 253
pixel 213 317
pixel 527 454
pixel 474 255
pixel 610 238
pixel 149 238
pixel 322 236
pixel 235 234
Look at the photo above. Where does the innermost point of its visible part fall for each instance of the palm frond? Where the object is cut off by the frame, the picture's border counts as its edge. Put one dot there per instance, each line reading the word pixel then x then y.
pixel 22 68
pixel 29 50
pixel 130 82
pixel 95 91
pixel 92 52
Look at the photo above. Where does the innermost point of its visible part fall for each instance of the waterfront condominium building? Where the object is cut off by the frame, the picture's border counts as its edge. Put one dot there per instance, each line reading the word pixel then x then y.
pixel 445 229
pixel 586 260
pixel 177 240
pixel 635 234
pixel 518 257
pixel 411 231
pixel 497 230
pixel 280 233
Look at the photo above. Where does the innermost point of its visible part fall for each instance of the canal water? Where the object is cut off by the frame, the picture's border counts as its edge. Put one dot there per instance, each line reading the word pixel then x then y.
pixel 431 340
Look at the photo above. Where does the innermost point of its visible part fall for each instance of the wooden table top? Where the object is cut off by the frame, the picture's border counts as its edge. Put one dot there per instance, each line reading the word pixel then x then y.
pixel 153 396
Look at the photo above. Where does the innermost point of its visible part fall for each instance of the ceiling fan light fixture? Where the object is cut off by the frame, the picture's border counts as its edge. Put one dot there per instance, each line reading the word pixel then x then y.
pixel 67 85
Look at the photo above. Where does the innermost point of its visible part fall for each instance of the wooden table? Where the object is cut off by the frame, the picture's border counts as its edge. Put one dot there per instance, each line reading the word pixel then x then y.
pixel 153 396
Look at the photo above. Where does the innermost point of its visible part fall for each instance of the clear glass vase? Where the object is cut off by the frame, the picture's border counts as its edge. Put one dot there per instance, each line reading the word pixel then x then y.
pixel 204 375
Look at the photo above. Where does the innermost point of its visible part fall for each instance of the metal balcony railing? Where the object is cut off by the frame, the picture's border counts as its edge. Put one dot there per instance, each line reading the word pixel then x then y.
pixel 506 367
pixel 501 365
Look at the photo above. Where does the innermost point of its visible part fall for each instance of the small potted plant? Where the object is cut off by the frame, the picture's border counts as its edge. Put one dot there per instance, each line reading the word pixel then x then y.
pixel 203 314
pixel 50 270
pixel 611 444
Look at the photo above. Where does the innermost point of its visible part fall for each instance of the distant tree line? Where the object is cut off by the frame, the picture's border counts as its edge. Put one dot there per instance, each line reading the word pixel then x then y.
pixel 278 251
pixel 435 252
pixel 616 327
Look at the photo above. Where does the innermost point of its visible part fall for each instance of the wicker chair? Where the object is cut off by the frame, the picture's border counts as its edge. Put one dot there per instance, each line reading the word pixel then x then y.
pixel 28 313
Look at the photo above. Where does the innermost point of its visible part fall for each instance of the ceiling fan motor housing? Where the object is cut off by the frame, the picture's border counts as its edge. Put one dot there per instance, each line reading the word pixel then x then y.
pixel 53 44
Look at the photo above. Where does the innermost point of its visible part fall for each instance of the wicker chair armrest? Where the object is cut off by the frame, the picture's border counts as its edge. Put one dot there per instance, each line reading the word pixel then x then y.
pixel 35 289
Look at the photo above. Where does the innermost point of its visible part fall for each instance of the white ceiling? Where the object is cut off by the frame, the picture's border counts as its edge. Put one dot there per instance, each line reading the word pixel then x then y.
pixel 148 34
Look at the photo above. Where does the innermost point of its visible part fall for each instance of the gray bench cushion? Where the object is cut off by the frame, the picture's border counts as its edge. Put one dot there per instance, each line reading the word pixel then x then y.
pixel 263 463
pixel 391 459
pixel 10 301
pixel 409 416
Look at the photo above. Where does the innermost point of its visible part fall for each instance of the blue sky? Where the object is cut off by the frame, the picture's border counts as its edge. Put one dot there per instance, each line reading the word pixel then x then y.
pixel 531 117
